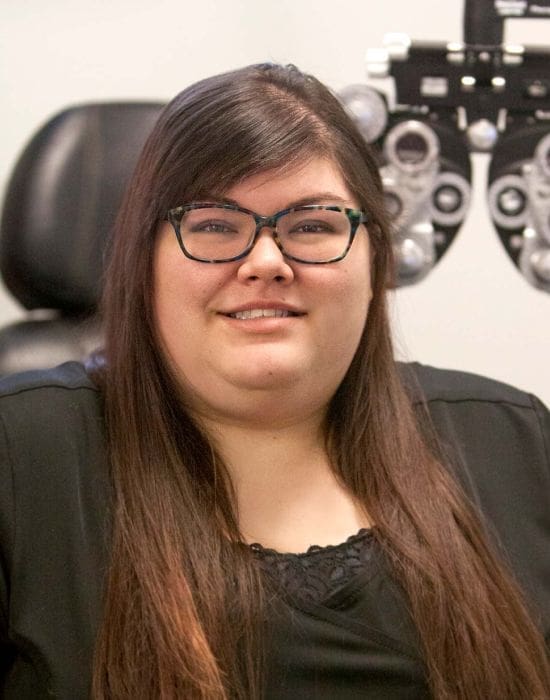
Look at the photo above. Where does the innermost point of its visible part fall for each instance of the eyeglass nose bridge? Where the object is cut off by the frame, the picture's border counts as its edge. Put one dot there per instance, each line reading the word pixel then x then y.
pixel 269 222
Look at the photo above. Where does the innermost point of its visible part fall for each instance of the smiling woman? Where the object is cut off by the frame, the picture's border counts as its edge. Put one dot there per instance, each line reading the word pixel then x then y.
pixel 243 495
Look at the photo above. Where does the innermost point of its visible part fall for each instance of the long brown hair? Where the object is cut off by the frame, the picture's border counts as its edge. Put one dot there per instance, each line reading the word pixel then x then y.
pixel 183 607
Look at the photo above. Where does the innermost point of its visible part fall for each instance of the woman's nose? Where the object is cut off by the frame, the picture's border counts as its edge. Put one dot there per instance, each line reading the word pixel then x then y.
pixel 266 261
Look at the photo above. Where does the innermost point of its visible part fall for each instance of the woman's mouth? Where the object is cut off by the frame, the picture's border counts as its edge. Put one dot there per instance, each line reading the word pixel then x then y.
pixel 262 313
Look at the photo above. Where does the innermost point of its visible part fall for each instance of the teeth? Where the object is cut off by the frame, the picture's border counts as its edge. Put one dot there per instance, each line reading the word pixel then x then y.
pixel 260 313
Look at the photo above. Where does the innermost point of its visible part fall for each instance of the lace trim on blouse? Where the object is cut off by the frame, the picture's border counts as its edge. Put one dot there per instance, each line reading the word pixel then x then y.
pixel 314 575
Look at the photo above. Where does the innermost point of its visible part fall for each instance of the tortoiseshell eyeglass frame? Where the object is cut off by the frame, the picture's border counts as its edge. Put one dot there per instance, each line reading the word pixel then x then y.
pixel 354 216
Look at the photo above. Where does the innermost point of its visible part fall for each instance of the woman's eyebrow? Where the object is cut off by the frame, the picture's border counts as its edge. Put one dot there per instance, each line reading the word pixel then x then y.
pixel 314 198
pixel 318 198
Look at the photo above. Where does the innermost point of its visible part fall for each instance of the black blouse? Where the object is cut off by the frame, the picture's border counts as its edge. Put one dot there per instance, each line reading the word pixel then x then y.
pixel 340 627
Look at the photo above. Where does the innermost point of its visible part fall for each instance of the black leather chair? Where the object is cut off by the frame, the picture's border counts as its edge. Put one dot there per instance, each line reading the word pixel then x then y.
pixel 59 208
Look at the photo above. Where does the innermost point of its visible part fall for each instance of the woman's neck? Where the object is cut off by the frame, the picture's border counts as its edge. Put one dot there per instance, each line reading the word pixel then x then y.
pixel 287 494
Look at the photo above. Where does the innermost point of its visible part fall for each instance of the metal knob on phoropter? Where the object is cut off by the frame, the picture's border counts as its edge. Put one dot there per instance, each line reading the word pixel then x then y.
pixel 368 109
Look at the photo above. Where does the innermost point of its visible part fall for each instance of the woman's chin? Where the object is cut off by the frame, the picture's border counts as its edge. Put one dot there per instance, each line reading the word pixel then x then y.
pixel 275 377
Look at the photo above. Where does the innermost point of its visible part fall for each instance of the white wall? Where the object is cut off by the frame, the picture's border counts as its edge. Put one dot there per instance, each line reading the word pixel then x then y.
pixel 474 311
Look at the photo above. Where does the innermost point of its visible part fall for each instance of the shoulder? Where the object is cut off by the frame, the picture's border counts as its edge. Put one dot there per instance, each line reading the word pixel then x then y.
pixel 52 452
pixel 49 420
pixel 481 414
pixel 68 377
pixel 431 384
pixel 61 398
pixel 498 426
pixel 47 416
pixel 496 439
pixel 51 437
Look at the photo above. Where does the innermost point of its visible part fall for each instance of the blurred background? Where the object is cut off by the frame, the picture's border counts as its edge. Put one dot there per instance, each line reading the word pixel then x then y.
pixel 474 311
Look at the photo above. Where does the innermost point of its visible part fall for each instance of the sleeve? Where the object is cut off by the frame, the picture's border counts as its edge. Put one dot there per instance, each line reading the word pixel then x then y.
pixel 54 532
pixel 496 441
pixel 7 520
pixel 543 416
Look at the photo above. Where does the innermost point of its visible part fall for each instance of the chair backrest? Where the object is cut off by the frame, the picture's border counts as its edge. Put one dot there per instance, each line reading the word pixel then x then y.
pixel 59 208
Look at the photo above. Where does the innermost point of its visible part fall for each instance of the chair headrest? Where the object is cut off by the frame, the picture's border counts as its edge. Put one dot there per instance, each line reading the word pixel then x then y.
pixel 62 200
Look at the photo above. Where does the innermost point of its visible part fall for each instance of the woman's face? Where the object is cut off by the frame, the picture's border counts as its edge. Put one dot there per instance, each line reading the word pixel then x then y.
pixel 266 368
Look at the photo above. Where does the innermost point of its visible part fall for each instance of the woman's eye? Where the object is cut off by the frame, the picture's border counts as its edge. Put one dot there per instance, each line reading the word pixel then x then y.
pixel 312 227
pixel 213 227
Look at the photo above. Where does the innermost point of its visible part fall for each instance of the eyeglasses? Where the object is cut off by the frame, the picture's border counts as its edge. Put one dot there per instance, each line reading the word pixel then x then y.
pixel 217 233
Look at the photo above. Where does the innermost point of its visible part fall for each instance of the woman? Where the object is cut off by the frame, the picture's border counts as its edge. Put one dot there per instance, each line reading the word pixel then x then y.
pixel 160 510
